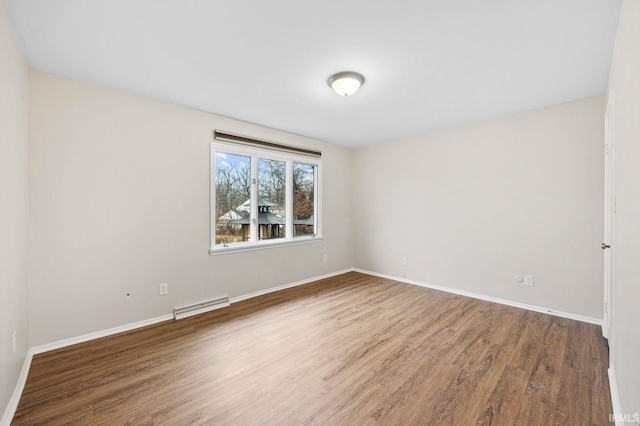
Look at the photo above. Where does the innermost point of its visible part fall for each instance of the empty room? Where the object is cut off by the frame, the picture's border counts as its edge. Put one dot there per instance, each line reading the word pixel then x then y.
pixel 330 213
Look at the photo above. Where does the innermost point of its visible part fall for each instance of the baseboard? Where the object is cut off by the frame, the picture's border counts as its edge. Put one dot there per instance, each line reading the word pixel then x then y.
pixel 533 308
pixel 12 406
pixel 290 285
pixel 615 397
pixel 98 334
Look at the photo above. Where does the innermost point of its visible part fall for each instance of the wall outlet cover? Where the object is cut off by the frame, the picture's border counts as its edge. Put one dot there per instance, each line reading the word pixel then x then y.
pixel 163 289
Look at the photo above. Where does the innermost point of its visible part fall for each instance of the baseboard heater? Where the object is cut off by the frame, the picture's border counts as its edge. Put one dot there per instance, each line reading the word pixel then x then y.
pixel 200 308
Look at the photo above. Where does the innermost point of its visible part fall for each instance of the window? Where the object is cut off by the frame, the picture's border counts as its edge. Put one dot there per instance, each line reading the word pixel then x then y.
pixel 262 197
pixel 303 199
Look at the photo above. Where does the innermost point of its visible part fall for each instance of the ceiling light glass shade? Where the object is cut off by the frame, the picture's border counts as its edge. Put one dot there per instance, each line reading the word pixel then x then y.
pixel 346 83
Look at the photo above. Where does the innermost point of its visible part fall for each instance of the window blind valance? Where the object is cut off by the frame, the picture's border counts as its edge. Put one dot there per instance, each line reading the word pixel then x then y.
pixel 258 143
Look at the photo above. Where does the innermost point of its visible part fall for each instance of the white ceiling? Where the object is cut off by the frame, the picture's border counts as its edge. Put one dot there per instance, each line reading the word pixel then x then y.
pixel 428 64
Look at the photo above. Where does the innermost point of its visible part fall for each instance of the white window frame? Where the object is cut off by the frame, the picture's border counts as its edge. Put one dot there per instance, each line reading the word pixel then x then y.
pixel 255 153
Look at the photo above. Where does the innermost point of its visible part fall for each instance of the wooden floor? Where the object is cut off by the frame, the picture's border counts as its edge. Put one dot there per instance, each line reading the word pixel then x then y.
pixel 348 350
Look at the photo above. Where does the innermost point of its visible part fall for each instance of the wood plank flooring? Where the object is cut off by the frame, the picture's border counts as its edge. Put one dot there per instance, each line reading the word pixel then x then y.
pixel 348 350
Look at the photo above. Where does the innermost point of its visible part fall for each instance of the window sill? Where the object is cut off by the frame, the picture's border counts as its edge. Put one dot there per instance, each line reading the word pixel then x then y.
pixel 264 245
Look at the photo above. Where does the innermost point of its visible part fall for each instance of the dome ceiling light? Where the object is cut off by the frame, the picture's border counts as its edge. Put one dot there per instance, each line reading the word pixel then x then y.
pixel 346 83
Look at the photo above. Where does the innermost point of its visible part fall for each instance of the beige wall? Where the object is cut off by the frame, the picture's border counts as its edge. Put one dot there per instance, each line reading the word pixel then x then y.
pixel 624 78
pixel 472 207
pixel 120 203
pixel 13 208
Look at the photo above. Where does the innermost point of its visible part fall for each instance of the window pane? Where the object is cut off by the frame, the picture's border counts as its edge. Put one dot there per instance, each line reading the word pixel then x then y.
pixel 303 196
pixel 233 198
pixel 272 179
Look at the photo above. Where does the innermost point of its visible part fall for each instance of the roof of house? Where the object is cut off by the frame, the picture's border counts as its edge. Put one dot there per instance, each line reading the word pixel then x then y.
pixel 230 215
pixel 246 206
pixel 264 218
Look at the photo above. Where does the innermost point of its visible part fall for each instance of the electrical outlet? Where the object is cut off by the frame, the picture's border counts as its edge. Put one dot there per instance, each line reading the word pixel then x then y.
pixel 528 280
pixel 325 258
pixel 15 341
pixel 163 289
pixel 405 261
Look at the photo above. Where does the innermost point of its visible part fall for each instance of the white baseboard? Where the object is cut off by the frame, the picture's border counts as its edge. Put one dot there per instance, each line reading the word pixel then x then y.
pixel 98 334
pixel 290 285
pixel 12 406
pixel 615 398
pixel 10 410
pixel 534 308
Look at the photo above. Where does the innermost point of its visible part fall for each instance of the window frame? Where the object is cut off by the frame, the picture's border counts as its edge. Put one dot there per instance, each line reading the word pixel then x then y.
pixel 255 154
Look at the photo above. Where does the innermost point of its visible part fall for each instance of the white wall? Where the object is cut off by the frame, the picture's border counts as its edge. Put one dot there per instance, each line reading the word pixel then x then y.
pixel 624 78
pixel 120 202
pixel 473 206
pixel 13 208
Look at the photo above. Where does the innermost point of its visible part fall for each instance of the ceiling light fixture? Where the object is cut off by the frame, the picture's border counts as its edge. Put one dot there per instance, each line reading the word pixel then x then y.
pixel 346 83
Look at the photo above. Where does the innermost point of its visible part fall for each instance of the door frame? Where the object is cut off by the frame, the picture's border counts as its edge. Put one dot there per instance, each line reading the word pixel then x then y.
pixel 609 211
